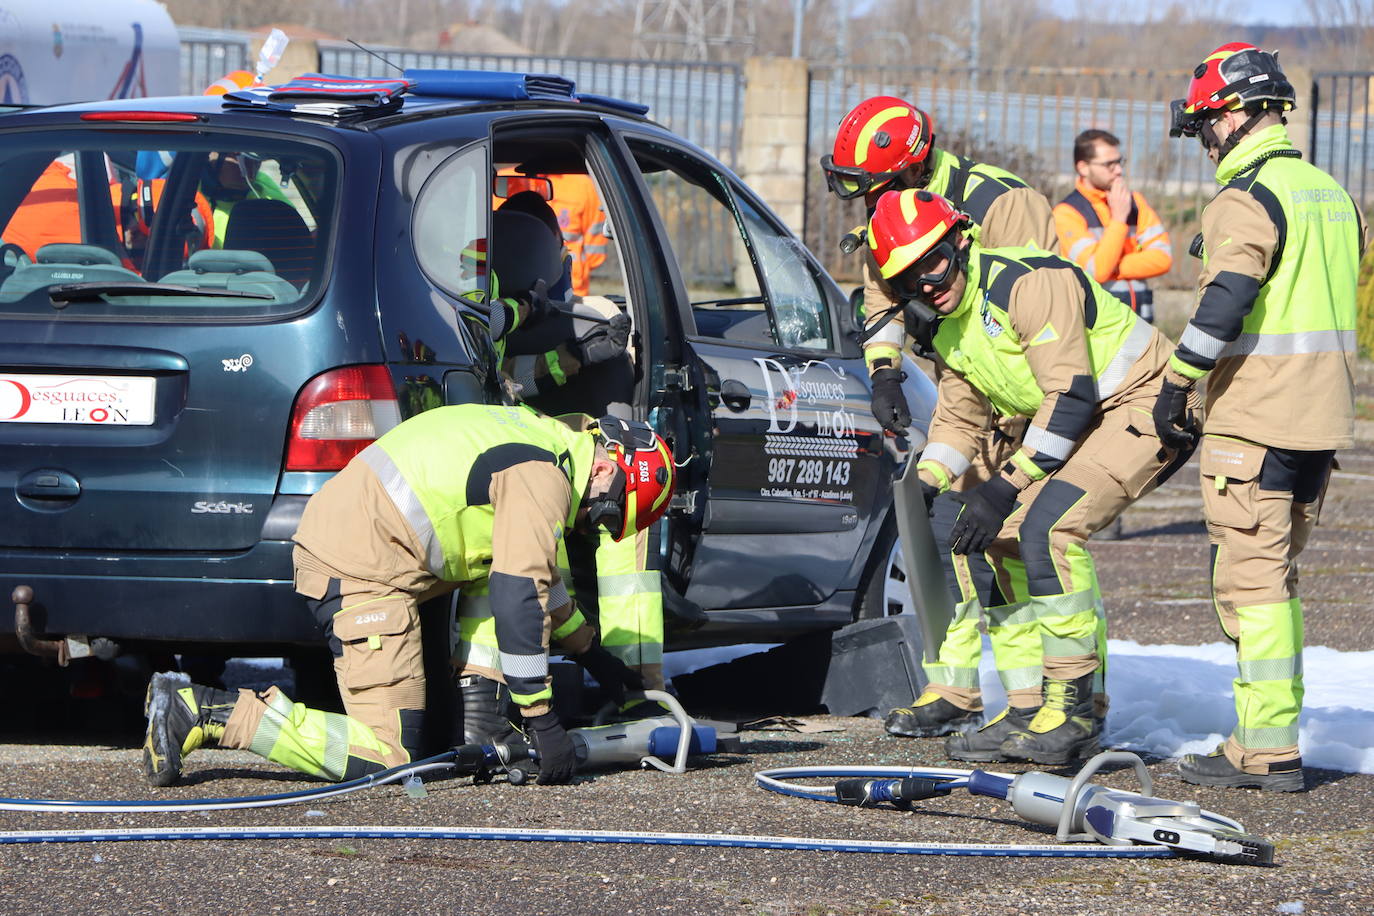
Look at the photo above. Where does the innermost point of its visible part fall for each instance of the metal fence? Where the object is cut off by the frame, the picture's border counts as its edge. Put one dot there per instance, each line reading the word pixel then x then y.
pixel 1341 133
pixel 1023 120
pixel 703 102
pixel 208 54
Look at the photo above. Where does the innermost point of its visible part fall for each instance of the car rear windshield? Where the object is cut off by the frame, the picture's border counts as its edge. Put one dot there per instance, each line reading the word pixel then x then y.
pixel 140 225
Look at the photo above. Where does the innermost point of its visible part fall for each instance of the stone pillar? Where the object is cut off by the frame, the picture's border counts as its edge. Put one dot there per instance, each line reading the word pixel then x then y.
pixel 773 137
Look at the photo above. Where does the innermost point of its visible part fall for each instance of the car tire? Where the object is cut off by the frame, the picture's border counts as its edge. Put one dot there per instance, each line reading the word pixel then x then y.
pixel 883 592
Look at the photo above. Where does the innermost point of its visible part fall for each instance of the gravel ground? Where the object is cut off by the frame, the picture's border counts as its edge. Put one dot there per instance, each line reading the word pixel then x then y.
pixel 1155 582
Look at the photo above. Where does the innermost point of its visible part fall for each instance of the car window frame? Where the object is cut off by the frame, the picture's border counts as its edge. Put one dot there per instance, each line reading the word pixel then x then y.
pixel 735 188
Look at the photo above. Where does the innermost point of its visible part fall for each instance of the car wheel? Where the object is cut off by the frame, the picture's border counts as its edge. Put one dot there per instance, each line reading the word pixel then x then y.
pixel 884 592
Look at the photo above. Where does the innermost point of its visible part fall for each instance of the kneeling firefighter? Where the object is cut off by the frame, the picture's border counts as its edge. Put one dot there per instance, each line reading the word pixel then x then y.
pixel 1025 333
pixel 469 496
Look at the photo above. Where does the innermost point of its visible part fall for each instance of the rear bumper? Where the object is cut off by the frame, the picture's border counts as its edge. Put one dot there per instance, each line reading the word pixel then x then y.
pixel 248 597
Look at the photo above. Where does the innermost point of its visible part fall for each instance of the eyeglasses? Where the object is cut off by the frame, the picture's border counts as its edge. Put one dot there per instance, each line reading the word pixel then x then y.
pixel 1109 164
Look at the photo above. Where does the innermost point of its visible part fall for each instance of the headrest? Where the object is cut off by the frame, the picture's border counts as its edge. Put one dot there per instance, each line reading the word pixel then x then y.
pixel 66 253
pixel 532 203
pixel 229 261
pixel 523 250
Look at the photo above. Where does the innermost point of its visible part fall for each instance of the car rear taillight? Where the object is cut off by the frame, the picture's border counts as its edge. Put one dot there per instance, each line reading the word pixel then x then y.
pixel 338 414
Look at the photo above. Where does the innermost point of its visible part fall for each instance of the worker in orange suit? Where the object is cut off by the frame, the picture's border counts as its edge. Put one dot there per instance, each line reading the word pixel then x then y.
pixel 583 221
pixel 48 213
pixel 1108 229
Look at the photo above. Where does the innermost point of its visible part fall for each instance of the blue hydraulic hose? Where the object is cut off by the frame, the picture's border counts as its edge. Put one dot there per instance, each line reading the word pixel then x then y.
pixel 769 779
pixel 442 761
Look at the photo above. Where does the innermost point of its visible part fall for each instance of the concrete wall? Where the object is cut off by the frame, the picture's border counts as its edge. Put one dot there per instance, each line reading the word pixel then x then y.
pixel 772 158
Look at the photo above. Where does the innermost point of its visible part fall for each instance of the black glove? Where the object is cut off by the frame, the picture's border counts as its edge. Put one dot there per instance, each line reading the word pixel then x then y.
pixel 614 676
pixel 889 403
pixel 557 757
pixel 604 342
pixel 1172 425
pixel 986 507
pixel 928 493
pixel 538 300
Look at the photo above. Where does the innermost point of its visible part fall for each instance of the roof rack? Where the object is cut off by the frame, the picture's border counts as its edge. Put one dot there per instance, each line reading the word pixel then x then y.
pixel 341 97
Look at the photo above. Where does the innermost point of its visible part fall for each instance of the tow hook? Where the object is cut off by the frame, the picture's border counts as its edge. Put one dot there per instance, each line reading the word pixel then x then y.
pixel 65 648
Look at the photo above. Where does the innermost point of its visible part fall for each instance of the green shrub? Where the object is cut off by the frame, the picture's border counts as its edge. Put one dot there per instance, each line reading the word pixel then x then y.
pixel 1364 303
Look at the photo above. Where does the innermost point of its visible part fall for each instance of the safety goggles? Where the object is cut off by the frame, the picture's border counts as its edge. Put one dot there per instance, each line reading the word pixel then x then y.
pixel 1184 123
pixel 929 272
pixel 849 182
pixel 629 435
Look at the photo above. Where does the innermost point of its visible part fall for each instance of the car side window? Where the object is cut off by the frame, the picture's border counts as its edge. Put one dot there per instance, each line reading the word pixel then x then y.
pixel 748 281
pixel 696 211
pixel 450 223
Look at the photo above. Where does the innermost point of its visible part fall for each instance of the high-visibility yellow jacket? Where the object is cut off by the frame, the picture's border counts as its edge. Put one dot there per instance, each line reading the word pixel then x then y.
pixel 1275 318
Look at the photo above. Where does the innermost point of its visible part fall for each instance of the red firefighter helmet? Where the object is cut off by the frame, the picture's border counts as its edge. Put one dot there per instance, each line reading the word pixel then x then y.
pixel 909 227
pixel 877 140
pixel 645 464
pixel 1233 76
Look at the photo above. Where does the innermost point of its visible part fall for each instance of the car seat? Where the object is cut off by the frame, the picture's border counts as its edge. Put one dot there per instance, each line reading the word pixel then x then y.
pixel 64 262
pixel 238 271
pixel 276 230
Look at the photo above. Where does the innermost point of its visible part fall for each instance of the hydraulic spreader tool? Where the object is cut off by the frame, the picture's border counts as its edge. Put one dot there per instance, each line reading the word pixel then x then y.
pixel 1076 808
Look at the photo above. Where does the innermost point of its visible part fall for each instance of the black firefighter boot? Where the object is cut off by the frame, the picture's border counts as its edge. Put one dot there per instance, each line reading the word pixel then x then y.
pixel 930 715
pixel 1063 730
pixel 985 745
pixel 1215 769
pixel 181 717
pixel 484 717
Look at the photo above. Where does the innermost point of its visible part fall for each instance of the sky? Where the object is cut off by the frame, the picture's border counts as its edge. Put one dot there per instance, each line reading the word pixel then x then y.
pixel 1174 700
pixel 1246 12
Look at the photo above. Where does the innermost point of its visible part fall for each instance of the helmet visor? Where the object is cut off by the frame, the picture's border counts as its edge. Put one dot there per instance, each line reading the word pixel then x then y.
pixel 849 182
pixel 934 272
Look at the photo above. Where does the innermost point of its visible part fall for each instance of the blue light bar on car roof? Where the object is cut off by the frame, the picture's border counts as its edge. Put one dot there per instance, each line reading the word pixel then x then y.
pixel 340 96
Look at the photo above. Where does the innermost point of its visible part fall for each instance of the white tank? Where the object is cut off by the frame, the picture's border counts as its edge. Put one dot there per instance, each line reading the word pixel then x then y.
pixel 56 51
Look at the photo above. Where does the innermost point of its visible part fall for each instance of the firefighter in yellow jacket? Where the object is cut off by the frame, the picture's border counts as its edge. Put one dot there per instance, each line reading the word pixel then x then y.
pixel 1273 334
pixel 1022 332
pixel 884 144
pixel 456 497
